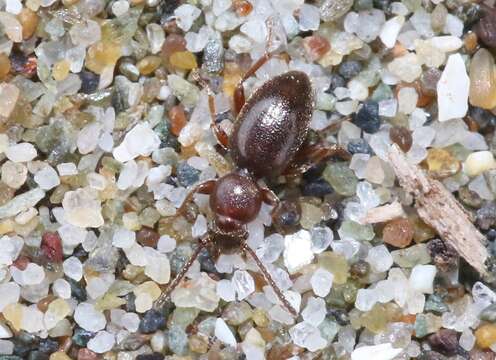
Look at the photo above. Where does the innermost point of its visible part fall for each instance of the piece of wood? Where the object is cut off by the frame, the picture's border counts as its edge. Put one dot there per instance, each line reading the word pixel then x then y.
pixel 383 213
pixel 437 207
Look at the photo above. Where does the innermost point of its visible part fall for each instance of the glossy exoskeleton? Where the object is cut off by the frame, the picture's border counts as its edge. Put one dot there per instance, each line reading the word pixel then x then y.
pixel 268 138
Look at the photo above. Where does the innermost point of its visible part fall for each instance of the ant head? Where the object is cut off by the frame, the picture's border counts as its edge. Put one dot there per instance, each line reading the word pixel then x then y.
pixel 235 200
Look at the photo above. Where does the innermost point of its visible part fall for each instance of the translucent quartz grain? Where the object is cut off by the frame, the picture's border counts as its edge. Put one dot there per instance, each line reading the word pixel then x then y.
pixel 482 80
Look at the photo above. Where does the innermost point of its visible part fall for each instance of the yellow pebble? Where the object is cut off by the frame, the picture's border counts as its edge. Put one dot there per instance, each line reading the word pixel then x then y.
pixel 150 288
pixel 13 314
pixel 260 317
pixel 61 70
pixel 4 66
pixel 59 355
pixel 29 21
pixel 441 163
pixel 102 55
pixel 485 335
pixel 183 60
pixel 149 64
pixel 336 264
pixel 6 226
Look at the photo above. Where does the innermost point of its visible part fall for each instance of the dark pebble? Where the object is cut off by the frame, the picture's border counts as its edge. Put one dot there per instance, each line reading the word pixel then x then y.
pixel 77 290
pixel 130 305
pixel 444 256
pixel 360 269
pixel 81 336
pixel 152 321
pixel 287 217
pixel 48 345
pixel 152 356
pixel 336 81
pixel 445 341
pixel 482 117
pixel 367 118
pixel 359 146
pixel 486 216
pixel 402 137
pixel 486 30
pixel 349 69
pixel 24 343
pixel 38 355
pixel 120 94
pixel 314 172
pixel 89 81
pixel 341 316
pixel 468 13
pixel 318 188
pixel 19 63
pixel 206 263
pixel 382 5
pixel 167 139
pixel 79 252
pixel 469 197
pixel 10 357
pixel 166 10
pixel 491 234
pixel 187 175
pixel 147 237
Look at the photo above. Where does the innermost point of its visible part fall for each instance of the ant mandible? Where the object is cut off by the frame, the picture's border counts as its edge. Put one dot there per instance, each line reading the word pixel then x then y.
pixel 269 132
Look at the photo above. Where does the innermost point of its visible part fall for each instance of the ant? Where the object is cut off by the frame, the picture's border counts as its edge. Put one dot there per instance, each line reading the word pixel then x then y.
pixel 268 137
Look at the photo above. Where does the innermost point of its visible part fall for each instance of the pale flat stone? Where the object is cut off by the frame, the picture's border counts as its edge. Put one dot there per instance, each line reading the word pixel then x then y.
pixel 478 162
pixel 223 333
pixel 446 43
pixel 390 30
pixel 9 94
pixel 82 208
pixel 375 352
pixel 21 203
pixel 141 140
pixel 453 89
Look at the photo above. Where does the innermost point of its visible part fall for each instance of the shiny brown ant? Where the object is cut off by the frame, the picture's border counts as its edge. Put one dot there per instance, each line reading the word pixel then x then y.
pixel 268 137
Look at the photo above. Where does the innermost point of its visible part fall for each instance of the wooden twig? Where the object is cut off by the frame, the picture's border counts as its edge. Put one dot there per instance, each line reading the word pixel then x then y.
pixel 437 207
pixel 383 213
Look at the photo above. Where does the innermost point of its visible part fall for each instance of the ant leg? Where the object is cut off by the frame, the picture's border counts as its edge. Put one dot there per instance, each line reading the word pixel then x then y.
pixel 269 279
pixel 239 93
pixel 220 134
pixel 314 154
pixel 205 187
pixel 203 243
pixel 270 198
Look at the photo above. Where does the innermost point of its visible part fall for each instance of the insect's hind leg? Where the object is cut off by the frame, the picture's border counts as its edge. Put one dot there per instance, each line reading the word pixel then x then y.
pixel 204 242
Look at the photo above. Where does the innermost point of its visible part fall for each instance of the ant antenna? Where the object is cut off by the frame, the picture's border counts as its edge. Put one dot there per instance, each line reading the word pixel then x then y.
pixel 271 281
pixel 165 295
